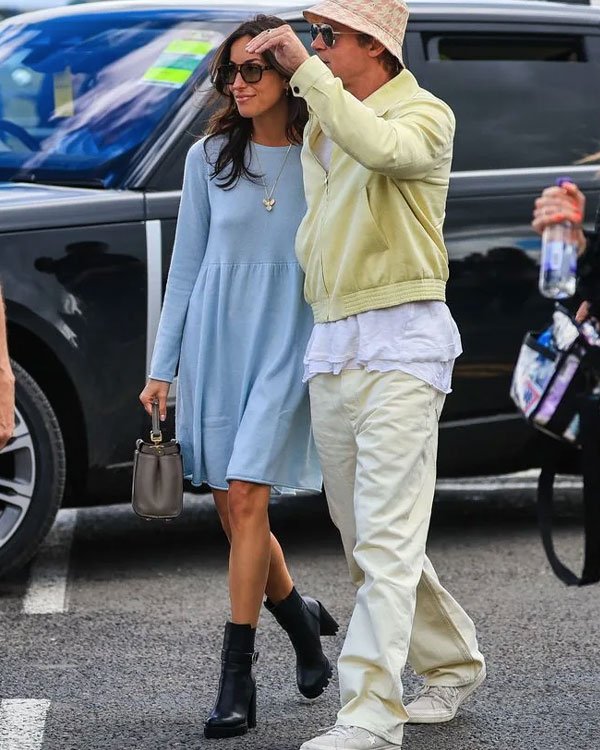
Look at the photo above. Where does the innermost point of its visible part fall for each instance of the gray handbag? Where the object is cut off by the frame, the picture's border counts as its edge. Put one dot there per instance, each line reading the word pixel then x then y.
pixel 157 489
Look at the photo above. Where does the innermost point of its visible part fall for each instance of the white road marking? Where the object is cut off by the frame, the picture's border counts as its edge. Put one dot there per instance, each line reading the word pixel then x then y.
pixel 445 486
pixel 522 480
pixel 22 724
pixel 47 592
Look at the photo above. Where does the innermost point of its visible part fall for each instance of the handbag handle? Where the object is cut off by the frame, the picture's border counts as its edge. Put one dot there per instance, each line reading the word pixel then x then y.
pixel 155 433
pixel 589 411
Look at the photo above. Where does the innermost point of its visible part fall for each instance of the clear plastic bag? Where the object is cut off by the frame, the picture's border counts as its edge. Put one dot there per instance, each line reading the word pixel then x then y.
pixel 550 373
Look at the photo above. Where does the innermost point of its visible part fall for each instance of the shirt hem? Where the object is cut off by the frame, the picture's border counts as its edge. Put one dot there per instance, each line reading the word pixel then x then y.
pixel 446 354
pixel 374 368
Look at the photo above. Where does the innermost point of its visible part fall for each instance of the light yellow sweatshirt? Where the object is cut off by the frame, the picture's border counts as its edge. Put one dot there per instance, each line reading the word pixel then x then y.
pixel 372 234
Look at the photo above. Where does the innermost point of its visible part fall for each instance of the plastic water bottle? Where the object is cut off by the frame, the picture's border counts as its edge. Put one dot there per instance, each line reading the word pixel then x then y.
pixel 558 265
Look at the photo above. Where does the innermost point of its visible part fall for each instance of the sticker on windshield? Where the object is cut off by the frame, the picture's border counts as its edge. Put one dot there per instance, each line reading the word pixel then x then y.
pixel 180 59
pixel 64 99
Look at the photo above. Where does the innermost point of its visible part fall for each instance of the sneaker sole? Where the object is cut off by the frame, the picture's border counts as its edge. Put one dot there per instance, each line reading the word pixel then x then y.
pixel 443 718
pixel 312 746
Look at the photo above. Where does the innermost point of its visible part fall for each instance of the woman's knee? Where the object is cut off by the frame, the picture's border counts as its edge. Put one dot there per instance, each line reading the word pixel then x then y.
pixel 247 505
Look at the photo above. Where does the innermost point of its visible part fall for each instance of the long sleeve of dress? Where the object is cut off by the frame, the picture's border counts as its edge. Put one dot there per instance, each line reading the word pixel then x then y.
pixel 191 236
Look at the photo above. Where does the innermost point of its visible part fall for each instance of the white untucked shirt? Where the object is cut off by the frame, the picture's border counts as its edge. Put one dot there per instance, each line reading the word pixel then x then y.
pixel 418 338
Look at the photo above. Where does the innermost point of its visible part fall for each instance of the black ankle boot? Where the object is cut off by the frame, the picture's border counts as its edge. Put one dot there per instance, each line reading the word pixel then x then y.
pixel 235 710
pixel 305 619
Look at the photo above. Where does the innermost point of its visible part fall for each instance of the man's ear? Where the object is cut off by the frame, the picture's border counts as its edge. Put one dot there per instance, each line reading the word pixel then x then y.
pixel 376 48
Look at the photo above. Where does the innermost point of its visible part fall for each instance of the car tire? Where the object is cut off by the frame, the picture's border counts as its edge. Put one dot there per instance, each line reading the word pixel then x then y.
pixel 32 474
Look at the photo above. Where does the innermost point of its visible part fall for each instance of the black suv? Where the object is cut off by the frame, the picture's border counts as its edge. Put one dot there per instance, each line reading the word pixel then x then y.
pixel 98 107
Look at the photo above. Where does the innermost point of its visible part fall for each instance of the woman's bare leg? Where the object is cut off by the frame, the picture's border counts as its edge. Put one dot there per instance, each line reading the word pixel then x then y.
pixel 256 563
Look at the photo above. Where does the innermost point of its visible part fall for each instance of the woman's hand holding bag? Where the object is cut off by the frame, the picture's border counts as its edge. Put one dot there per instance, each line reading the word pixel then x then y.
pixel 157 487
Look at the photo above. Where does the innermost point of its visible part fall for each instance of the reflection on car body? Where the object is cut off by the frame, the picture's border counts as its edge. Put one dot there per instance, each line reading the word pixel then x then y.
pixel 98 107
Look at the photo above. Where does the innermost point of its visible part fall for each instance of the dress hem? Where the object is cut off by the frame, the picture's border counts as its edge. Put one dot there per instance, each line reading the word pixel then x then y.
pixel 253 480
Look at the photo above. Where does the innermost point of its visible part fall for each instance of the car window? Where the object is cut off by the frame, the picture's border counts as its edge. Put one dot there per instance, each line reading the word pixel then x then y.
pixel 79 95
pixel 521 47
pixel 517 97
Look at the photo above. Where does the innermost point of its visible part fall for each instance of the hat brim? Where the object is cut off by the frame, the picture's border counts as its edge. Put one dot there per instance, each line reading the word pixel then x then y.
pixel 333 11
pixel 315 17
pixel 329 12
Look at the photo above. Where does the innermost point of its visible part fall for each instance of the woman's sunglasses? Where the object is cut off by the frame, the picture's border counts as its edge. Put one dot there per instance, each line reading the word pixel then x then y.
pixel 250 72
pixel 327 33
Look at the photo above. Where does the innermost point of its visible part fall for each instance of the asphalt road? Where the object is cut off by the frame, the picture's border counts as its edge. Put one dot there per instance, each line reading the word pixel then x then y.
pixel 129 659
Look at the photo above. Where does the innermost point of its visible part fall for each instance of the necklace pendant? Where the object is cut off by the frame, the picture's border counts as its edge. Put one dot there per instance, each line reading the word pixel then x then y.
pixel 268 203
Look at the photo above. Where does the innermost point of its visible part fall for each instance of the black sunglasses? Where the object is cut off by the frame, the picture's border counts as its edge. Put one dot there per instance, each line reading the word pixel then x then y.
pixel 250 72
pixel 327 33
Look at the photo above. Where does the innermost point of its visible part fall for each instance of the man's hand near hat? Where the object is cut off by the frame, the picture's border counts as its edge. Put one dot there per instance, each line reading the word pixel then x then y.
pixel 285 45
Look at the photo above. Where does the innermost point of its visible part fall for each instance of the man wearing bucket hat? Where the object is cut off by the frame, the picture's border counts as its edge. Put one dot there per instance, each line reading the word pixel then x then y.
pixel 376 158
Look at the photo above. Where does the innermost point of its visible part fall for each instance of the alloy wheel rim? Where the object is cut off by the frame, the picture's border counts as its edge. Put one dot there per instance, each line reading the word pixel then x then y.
pixel 17 479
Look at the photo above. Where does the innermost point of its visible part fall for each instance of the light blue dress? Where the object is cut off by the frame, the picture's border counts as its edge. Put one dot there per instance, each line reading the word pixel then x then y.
pixel 235 319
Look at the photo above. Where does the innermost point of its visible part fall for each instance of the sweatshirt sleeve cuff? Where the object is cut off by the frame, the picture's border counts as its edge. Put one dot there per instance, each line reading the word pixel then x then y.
pixel 307 75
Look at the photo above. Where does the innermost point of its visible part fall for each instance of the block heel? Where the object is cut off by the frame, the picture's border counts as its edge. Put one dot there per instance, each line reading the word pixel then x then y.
pixel 305 620
pixel 328 626
pixel 252 711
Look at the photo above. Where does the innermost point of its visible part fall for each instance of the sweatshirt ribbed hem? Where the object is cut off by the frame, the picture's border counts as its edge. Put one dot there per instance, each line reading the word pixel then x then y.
pixel 336 308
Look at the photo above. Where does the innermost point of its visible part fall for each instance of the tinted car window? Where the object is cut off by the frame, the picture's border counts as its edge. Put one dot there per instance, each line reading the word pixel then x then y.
pixel 504 47
pixel 79 95
pixel 514 95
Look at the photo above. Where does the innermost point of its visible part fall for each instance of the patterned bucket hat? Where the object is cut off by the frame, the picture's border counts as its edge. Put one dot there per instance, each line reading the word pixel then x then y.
pixel 384 20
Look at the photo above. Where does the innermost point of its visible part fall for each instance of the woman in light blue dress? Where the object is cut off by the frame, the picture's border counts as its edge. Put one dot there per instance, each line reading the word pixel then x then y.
pixel 235 324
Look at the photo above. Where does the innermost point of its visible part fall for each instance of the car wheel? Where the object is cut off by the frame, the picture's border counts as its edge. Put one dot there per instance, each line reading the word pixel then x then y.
pixel 32 474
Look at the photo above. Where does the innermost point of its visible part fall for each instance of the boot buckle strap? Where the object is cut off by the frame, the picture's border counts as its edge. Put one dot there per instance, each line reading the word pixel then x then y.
pixel 241 658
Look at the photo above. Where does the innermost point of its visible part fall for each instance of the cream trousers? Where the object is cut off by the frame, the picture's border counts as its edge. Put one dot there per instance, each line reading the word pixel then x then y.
pixel 376 433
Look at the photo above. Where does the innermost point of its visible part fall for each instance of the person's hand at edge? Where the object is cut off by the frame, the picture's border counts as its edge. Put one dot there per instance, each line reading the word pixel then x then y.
pixel 557 204
pixel 7 403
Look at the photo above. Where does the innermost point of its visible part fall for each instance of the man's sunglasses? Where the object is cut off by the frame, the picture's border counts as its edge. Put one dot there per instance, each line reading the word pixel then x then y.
pixel 250 72
pixel 327 33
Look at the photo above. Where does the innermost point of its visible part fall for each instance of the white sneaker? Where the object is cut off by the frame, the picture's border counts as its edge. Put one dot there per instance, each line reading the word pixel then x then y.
pixel 341 737
pixel 435 704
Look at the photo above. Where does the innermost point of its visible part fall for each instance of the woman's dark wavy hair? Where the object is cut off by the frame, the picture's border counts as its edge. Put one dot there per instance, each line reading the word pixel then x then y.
pixel 231 164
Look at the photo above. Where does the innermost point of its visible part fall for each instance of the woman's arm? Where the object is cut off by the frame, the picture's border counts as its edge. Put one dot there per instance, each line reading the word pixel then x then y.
pixel 191 236
pixel 7 385
pixel 588 272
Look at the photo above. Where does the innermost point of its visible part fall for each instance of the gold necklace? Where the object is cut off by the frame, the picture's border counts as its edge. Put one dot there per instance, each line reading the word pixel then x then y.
pixel 268 200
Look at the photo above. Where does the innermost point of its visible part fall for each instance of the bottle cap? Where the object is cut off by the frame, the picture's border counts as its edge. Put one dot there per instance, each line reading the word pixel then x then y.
pixel 561 181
